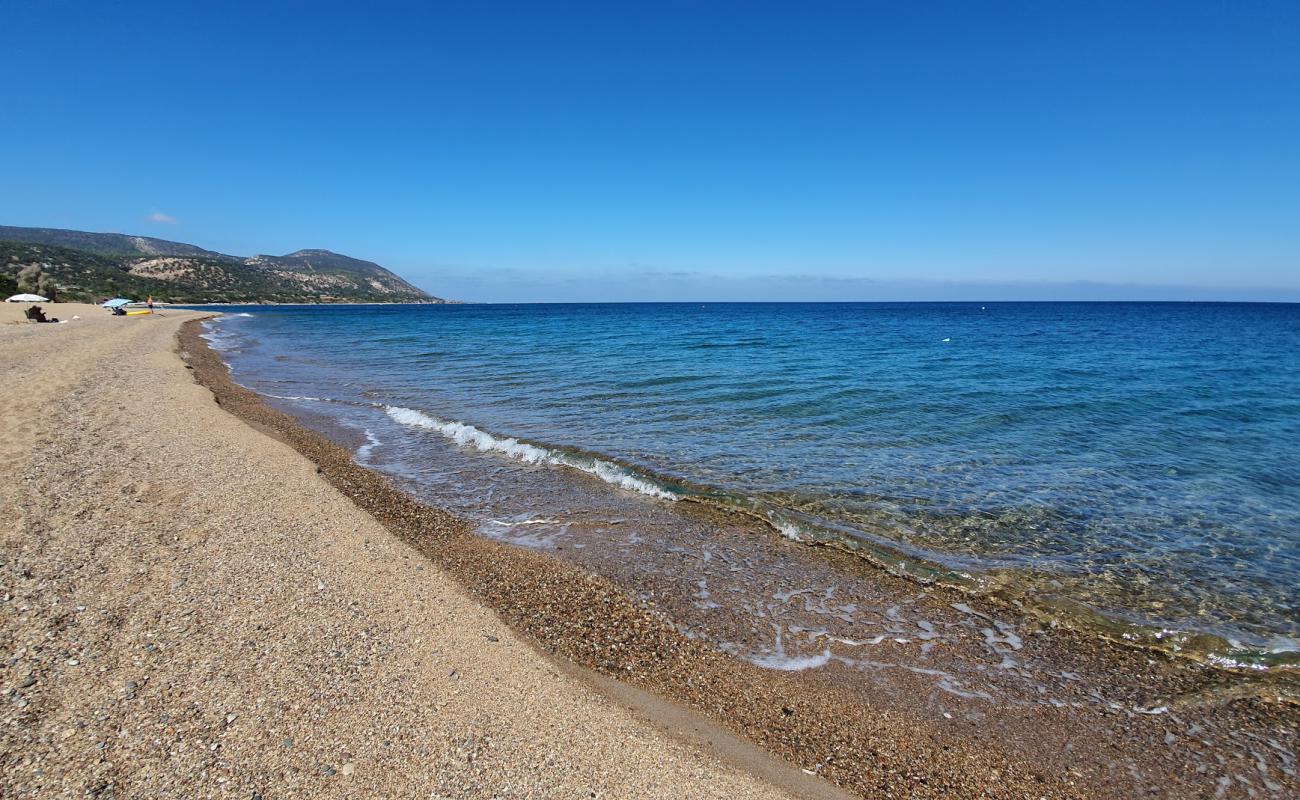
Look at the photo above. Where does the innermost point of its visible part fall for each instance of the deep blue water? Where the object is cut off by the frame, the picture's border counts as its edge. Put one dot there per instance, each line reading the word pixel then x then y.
pixel 1143 459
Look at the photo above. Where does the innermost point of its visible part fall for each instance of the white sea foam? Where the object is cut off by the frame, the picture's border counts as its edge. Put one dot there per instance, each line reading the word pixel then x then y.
pixel 1227 662
pixel 214 335
pixel 780 661
pixel 469 436
pixel 363 452
pixel 519 532
pixel 525 522
pixel 787 529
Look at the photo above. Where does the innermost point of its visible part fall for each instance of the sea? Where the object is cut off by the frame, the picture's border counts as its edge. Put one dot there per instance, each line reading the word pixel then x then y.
pixel 1131 468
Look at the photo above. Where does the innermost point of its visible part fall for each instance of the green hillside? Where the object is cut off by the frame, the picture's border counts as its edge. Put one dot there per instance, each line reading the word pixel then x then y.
pixel 179 273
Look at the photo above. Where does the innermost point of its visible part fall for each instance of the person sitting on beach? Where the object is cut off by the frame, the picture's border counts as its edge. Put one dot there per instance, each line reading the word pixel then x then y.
pixel 35 314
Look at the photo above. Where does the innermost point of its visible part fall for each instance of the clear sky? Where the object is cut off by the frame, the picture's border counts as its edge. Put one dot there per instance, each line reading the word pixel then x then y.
pixel 679 150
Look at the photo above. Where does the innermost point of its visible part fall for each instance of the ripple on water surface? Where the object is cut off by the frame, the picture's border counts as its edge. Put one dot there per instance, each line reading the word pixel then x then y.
pixel 1138 459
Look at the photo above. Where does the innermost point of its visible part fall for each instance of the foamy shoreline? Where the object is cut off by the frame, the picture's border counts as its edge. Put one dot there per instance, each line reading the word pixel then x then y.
pixel 831 721
pixel 590 621
pixel 190 610
pixel 244 618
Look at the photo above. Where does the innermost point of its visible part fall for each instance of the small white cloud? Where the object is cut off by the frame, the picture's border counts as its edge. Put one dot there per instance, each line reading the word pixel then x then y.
pixel 166 219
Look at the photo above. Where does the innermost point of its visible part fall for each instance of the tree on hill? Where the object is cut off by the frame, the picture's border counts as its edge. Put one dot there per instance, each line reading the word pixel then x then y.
pixel 32 278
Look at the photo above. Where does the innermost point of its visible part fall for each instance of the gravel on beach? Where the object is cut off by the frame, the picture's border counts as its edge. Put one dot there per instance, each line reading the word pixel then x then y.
pixel 207 599
pixel 190 610
pixel 822 729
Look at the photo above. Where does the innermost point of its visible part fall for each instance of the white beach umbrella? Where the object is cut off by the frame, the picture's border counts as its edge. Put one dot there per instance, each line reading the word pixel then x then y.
pixel 27 298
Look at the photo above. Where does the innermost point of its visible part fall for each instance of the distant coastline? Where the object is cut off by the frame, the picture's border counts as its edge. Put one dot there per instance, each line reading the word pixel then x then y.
pixel 327 303
pixel 84 266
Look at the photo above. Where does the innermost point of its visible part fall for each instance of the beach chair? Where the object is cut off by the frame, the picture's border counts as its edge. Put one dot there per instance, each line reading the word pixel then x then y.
pixel 35 314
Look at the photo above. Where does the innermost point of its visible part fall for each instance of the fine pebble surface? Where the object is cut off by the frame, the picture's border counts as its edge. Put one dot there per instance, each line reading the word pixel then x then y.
pixel 1135 466
pixel 187 610
pixel 215 600
pixel 961 645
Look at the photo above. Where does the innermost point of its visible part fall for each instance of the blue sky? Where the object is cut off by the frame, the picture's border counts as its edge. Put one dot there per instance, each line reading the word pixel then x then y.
pixel 676 150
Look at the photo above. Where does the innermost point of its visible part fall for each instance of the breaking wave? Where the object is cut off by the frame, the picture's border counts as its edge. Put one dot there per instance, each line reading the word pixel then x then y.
pixel 469 436
pixel 894 556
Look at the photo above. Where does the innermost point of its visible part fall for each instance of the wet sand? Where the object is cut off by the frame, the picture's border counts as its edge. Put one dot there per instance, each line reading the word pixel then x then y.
pixel 189 610
pixel 1073 715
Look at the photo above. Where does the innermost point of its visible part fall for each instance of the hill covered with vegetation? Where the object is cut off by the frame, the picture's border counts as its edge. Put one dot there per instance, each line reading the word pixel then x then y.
pixel 76 265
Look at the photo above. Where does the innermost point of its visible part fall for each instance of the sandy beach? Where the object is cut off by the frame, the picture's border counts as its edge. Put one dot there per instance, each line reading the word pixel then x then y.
pixel 204 598
pixel 191 611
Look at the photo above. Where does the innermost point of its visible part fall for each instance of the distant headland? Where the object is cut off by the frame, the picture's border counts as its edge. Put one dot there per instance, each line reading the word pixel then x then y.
pixel 78 265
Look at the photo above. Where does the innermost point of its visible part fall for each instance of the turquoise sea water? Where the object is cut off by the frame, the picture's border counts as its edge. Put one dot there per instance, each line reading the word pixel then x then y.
pixel 1140 460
